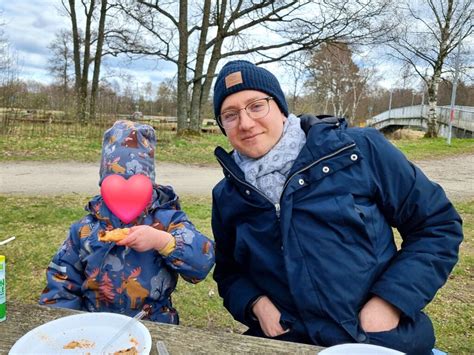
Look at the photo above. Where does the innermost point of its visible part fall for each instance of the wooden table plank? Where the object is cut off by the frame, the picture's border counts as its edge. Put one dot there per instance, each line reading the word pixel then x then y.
pixel 21 318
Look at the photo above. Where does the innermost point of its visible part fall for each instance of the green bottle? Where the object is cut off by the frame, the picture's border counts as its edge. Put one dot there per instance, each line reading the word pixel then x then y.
pixel 3 298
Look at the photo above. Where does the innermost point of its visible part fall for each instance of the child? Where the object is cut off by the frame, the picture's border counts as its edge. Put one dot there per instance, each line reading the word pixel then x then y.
pixel 142 269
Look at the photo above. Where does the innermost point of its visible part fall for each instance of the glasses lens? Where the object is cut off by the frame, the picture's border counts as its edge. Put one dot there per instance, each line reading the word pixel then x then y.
pixel 255 110
pixel 258 109
pixel 229 119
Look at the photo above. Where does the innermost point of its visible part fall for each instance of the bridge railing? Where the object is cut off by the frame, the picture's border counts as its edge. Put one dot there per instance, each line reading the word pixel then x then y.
pixel 462 118
pixel 401 112
pixel 463 115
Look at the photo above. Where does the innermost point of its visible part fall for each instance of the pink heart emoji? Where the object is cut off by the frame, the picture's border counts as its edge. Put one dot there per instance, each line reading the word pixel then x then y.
pixel 126 198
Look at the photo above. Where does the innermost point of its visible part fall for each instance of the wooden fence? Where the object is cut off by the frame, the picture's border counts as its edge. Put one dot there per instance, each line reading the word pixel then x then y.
pixel 22 123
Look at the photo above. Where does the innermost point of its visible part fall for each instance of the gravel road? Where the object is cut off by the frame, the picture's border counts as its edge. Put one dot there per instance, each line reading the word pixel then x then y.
pixel 57 178
pixel 454 174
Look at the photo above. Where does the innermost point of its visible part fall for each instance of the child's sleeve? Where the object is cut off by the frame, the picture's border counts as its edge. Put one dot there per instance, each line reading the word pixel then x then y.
pixel 64 275
pixel 193 253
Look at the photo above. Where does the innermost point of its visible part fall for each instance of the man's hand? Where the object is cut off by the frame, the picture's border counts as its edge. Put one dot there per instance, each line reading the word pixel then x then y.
pixel 378 315
pixel 269 317
pixel 144 238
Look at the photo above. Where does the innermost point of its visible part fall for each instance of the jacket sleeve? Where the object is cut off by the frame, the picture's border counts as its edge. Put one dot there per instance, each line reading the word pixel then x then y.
pixel 236 289
pixel 193 256
pixel 430 228
pixel 64 275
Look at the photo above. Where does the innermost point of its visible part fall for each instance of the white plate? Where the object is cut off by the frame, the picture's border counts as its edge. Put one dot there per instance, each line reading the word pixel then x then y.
pixel 93 328
pixel 359 349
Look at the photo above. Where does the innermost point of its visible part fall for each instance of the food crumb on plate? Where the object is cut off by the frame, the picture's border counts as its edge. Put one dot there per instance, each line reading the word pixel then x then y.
pixel 81 344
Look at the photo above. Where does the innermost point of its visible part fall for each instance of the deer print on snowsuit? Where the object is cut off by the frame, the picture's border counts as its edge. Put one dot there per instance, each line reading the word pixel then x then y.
pixel 135 291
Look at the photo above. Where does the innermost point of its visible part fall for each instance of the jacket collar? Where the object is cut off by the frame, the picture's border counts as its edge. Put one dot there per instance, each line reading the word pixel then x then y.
pixel 324 136
pixel 308 121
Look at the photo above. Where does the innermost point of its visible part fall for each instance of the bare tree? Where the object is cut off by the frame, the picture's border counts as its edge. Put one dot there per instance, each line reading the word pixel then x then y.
pixel 428 33
pixel 5 58
pixel 337 80
pixel 271 30
pixel 99 52
pixel 8 71
pixel 88 49
pixel 166 98
pixel 61 62
pixel 297 71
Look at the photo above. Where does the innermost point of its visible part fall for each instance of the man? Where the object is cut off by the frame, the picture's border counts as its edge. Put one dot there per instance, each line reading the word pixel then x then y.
pixel 302 223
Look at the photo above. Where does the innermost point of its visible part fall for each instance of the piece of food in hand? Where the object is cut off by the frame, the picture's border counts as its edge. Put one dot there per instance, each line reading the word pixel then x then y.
pixel 114 235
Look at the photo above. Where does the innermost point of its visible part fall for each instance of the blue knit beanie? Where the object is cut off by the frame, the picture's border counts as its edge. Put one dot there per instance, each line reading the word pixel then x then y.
pixel 239 75
pixel 128 148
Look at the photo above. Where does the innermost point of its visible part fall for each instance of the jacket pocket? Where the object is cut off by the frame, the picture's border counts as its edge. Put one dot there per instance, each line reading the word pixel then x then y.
pixel 286 321
pixel 241 248
pixel 358 224
pixel 410 336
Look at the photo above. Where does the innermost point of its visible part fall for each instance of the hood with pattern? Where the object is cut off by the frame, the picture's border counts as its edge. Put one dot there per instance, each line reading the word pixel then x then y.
pixel 128 148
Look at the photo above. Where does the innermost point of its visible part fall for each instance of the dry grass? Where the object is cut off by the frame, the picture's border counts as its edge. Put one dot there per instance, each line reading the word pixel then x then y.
pixel 40 225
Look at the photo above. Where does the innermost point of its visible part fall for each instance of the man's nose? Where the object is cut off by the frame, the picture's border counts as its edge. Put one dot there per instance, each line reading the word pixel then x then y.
pixel 245 122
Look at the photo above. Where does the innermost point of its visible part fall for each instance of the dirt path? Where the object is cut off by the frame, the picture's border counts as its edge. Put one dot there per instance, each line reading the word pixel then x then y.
pixel 51 178
pixel 455 174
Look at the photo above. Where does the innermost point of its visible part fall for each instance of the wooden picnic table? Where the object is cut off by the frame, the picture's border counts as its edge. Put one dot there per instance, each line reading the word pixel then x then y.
pixel 21 318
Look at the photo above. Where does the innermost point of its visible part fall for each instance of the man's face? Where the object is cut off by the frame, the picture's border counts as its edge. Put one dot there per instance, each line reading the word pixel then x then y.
pixel 253 137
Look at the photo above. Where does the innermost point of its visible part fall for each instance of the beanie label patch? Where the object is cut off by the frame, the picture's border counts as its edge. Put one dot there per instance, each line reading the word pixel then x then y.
pixel 233 79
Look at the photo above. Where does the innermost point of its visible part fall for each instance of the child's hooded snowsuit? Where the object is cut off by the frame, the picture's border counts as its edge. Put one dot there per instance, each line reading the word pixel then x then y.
pixel 90 275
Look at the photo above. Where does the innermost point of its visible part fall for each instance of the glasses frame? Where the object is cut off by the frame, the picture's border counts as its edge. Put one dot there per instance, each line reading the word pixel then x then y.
pixel 267 99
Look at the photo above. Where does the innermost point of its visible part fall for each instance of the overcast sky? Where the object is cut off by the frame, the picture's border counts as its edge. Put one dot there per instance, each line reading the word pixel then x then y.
pixel 30 26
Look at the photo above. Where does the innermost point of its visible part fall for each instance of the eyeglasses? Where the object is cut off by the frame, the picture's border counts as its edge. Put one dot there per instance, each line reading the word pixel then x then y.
pixel 256 110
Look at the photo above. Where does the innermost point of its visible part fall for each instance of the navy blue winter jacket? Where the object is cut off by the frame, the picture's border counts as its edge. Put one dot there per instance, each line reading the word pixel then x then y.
pixel 328 247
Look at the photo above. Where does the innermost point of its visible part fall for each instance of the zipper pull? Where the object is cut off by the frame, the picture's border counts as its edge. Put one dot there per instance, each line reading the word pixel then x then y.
pixel 277 210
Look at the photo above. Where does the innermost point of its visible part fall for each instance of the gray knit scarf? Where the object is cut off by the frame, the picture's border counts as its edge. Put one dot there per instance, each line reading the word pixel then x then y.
pixel 269 172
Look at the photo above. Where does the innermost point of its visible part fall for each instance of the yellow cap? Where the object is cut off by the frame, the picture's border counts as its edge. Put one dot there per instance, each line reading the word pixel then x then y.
pixel 2 258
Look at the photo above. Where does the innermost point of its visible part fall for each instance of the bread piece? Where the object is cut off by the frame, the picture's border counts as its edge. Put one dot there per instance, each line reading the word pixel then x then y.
pixel 130 351
pixel 114 235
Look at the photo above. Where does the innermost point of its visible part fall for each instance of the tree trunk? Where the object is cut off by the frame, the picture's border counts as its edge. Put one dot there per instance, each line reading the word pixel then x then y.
pixel 432 130
pixel 216 52
pixel 98 59
pixel 182 68
pixel 195 112
pixel 76 54
pixel 85 63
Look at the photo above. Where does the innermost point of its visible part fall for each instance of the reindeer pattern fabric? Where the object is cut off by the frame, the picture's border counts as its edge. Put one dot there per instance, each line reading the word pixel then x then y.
pixel 94 276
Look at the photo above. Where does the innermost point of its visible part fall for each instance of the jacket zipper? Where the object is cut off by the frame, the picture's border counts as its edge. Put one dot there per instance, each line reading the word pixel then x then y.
pixel 277 205
pixel 248 185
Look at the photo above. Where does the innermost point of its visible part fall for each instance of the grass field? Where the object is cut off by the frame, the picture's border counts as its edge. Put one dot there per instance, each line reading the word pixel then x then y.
pixel 424 148
pixel 189 150
pixel 40 225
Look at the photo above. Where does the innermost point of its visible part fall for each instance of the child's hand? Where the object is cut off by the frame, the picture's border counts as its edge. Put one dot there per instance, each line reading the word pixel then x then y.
pixel 144 238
